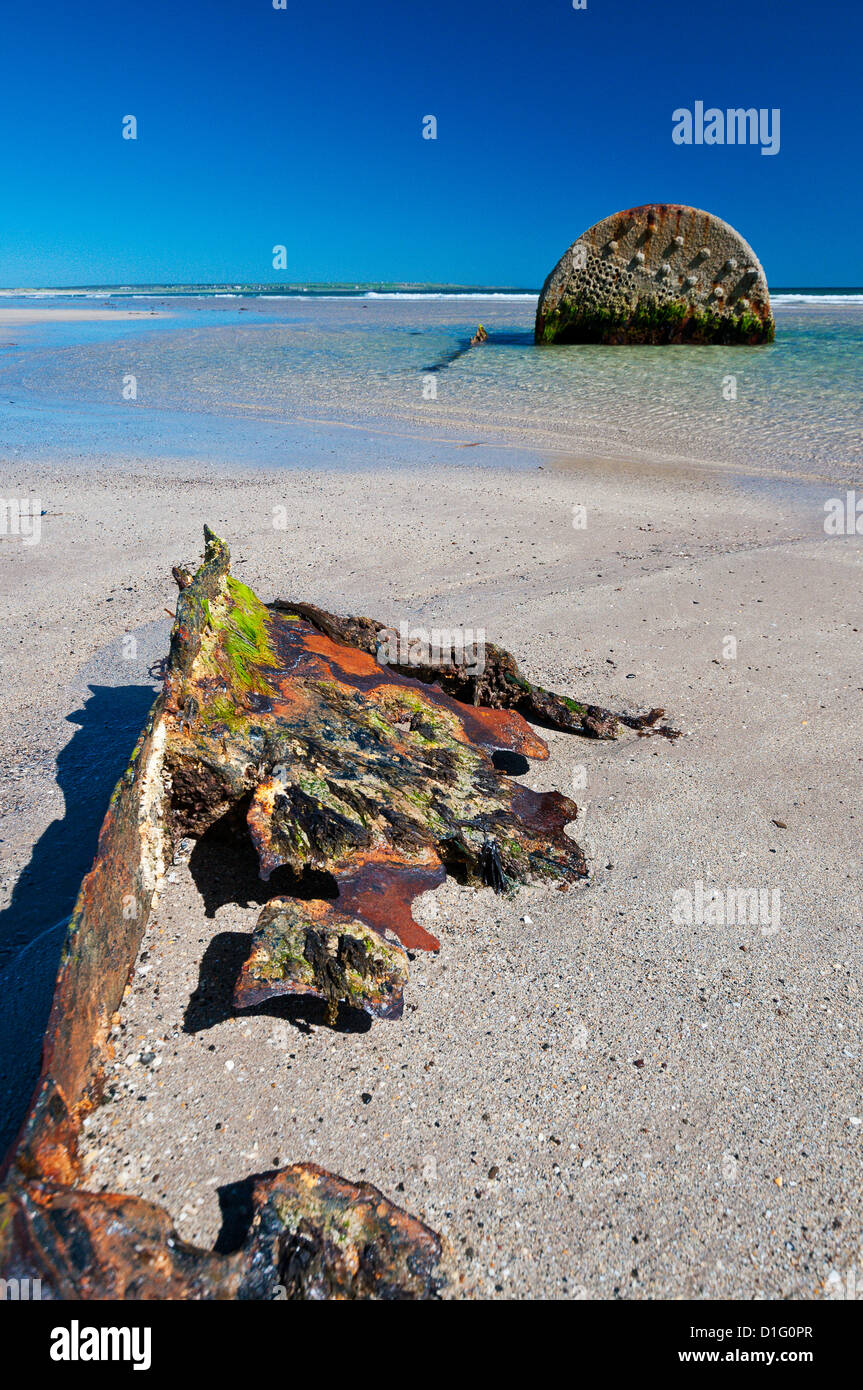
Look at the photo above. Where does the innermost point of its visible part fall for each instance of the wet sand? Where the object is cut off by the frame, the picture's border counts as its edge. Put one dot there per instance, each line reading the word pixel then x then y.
pixel 586 1097
pixel 21 317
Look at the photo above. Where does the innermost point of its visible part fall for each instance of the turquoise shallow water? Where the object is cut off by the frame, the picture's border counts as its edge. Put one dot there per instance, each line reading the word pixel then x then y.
pixel 251 380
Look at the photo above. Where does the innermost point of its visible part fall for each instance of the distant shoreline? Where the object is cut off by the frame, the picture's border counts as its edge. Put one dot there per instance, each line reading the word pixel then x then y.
pixel 34 315
pixel 368 291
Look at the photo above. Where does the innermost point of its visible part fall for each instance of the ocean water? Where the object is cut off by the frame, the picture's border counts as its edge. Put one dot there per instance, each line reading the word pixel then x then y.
pixel 241 377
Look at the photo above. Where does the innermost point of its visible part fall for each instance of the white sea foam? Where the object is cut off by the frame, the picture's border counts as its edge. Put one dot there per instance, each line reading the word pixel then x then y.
pixel 816 298
pixel 175 293
pixel 442 294
pixel 172 292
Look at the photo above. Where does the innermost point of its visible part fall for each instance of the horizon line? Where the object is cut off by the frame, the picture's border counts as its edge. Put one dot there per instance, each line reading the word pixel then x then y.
pixel 346 285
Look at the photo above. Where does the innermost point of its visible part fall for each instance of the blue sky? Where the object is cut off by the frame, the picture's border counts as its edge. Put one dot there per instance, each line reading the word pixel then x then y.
pixel 302 127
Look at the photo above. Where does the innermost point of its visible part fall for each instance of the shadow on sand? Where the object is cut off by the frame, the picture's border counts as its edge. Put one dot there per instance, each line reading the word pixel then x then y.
pixel 224 867
pixel 32 926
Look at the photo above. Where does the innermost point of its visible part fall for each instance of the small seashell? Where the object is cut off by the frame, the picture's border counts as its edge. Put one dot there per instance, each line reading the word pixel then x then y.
pixel 639 256
pixel 678 240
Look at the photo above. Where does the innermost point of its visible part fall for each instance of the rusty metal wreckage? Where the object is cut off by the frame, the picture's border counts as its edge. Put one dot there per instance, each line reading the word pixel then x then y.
pixel 279 720
pixel 661 273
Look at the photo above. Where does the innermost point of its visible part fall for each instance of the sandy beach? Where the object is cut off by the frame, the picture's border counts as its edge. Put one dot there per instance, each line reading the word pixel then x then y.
pixel 37 315
pixel 586 1097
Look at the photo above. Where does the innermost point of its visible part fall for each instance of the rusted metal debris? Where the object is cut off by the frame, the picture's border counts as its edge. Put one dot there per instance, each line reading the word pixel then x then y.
pixel 280 717
pixel 499 685
pixel 311 1236
pixel 661 273
pixel 311 948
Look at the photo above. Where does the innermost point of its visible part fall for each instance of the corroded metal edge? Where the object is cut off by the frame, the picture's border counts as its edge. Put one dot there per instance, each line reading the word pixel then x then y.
pixel 98 954
pixel 659 273
pixel 312 1233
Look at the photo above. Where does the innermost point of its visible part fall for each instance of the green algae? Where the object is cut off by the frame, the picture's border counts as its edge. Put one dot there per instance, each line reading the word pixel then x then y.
pixel 222 710
pixel 574 705
pixel 327 953
pixel 235 654
pixel 246 638
pixel 651 321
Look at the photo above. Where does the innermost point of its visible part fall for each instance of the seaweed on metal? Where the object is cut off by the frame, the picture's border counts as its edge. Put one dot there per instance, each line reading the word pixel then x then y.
pixel 379 777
